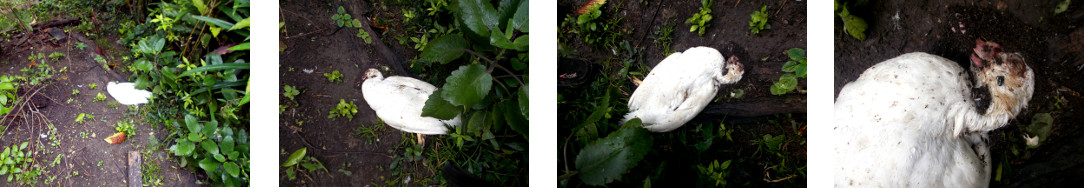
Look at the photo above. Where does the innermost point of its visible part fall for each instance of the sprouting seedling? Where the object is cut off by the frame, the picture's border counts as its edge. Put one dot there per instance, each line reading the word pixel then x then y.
pixel 334 76
pixel 759 20
pixel 290 91
pixel 700 20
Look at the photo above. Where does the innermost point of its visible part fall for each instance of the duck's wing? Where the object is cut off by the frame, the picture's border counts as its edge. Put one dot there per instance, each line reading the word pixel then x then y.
pixel 399 103
pixel 126 93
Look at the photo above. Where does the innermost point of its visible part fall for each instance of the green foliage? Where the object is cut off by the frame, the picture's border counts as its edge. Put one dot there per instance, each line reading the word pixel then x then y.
pixel 1062 7
pixel 334 76
pixel 608 158
pixel 759 20
pixel 664 38
pixel 55 56
pixel 853 25
pixel 173 55
pixel 80 45
pixel 16 16
pixel 298 158
pixel 8 88
pixel 364 35
pixel 343 19
pixel 19 165
pixel 126 128
pixel 343 109
pixel 290 91
pixel 716 171
pixel 99 97
pixel 75 91
pixel 83 117
pixel 93 86
pixel 795 68
pixel 700 20
pixel 597 30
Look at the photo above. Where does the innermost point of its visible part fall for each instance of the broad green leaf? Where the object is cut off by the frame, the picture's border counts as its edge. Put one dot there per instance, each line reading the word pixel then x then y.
pixel 192 123
pixel 608 158
pixel 218 67
pixel 444 49
pixel 214 21
pixel 295 157
pixel 210 147
pixel 515 119
pixel 789 81
pixel 143 65
pixel 853 25
pixel 210 127
pixel 477 123
pixel 439 108
pixel 522 17
pixel 468 85
pixel 790 66
pixel 227 144
pixel 499 39
pixel 184 148
pixel 232 169
pixel 800 70
pixel 478 16
pixel 796 54
pixel 201 6
pixel 522 43
pixel 209 164
pixel 142 82
pixel 7 86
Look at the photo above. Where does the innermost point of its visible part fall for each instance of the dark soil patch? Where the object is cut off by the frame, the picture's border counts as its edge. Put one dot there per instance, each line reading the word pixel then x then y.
pixel 314 45
pixel 763 56
pixel 1050 44
pixel 87 159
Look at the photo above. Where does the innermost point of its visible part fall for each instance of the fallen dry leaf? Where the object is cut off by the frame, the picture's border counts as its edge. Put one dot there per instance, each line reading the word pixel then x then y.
pixel 116 138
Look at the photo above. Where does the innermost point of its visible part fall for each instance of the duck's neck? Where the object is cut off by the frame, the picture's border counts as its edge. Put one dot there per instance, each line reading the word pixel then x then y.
pixel 968 119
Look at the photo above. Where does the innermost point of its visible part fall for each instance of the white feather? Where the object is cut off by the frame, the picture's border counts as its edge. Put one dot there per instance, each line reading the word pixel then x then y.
pixel 126 93
pixel 910 122
pixel 679 87
pixel 399 100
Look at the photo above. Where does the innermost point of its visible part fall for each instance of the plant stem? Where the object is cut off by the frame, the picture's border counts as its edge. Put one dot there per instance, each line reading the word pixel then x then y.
pixel 494 64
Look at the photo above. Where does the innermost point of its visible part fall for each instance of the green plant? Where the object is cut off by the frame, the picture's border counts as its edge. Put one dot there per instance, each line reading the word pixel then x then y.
pixel 298 158
pixel 290 91
pixel 364 35
pixel 93 86
pixel 82 117
pixel 369 133
pixel 334 76
pixel 18 164
pixel 55 56
pixel 8 88
pixel 342 19
pixel 1062 7
pixel 99 97
pixel 80 45
pixel 716 171
pixel 700 20
pixel 344 109
pixel 664 38
pixel 596 31
pixel 795 68
pixel 126 128
pixel 75 91
pixel 759 20
pixel 853 25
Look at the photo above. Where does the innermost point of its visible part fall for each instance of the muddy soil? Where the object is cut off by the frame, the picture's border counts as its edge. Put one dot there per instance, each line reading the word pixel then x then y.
pixel 314 45
pixel 1051 45
pixel 763 56
pixel 87 160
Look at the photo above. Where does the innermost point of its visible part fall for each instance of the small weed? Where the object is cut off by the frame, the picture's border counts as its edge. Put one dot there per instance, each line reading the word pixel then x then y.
pixel 853 25
pixel 796 65
pixel 291 91
pixel 56 161
pixel 369 133
pixel 716 171
pixel 99 97
pixel 83 117
pixel 364 35
pixel 101 60
pixel 700 20
pixel 75 91
pixel 342 169
pixel 93 86
pixel 80 45
pixel 759 20
pixel 344 110
pixel 334 76
pixel 342 19
pixel 126 128
pixel 99 162
pixel 55 56
pixel 664 38
pixel 19 165
pixel 84 134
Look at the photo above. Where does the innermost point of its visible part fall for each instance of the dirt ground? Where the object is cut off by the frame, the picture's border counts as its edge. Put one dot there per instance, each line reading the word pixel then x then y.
pixel 1051 45
pixel 763 56
pixel 314 45
pixel 87 159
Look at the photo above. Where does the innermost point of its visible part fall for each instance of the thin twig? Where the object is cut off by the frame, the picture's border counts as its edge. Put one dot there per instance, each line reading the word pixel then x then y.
pixel 494 63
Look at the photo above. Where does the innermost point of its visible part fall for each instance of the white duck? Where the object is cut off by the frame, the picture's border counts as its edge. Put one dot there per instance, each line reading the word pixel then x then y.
pixel 910 121
pixel 680 86
pixel 126 93
pixel 399 100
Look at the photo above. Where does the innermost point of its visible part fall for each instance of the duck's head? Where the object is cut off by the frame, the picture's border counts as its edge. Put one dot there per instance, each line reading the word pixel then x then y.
pixel 373 73
pixel 1008 78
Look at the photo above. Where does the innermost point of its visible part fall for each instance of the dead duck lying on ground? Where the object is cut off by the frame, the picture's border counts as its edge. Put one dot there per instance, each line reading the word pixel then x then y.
pixel 680 86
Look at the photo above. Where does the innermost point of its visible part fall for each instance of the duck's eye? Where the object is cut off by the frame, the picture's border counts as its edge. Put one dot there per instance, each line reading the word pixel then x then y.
pixel 1000 80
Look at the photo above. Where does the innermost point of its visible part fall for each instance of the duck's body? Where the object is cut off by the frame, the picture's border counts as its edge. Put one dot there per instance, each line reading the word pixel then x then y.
pixel 680 86
pixel 910 121
pixel 126 93
pixel 399 100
